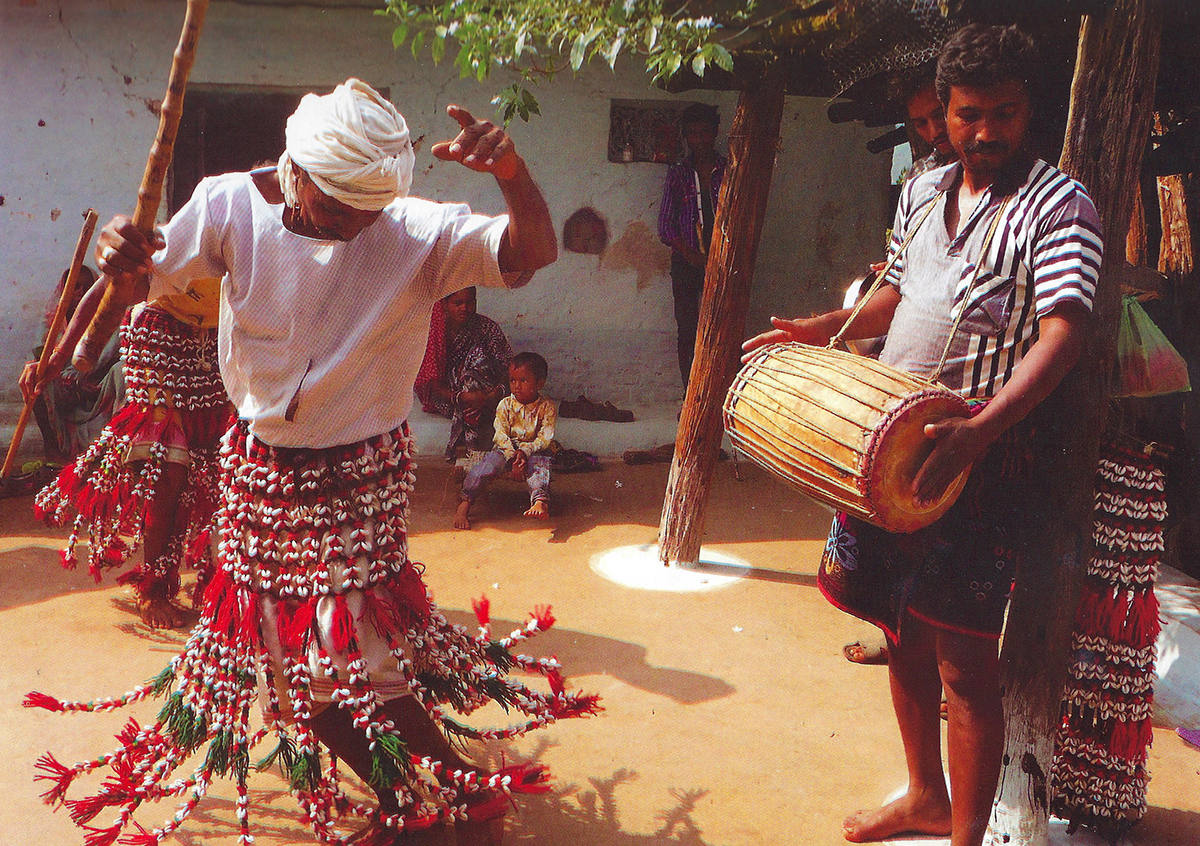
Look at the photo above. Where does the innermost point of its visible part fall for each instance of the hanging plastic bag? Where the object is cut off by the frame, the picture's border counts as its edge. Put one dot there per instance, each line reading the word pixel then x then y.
pixel 1147 364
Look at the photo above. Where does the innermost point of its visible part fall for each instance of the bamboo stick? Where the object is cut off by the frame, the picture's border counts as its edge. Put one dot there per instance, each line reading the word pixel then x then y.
pixel 123 293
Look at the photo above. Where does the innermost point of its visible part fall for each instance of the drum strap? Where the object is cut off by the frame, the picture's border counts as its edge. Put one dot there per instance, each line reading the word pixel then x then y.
pixel 966 299
pixel 878 283
pixel 875 286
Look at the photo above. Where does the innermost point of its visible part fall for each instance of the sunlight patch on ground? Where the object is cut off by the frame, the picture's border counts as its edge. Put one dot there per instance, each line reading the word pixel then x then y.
pixel 639 567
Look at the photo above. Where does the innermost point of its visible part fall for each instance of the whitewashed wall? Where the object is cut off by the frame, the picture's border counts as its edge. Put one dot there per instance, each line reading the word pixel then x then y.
pixel 79 78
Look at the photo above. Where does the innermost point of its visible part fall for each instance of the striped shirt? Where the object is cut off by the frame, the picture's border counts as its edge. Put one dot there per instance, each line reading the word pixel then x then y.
pixel 1045 252
pixel 320 341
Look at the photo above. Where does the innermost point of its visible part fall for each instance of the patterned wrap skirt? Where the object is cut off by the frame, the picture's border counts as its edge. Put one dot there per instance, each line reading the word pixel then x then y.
pixel 957 573
pixel 175 412
pixel 314 595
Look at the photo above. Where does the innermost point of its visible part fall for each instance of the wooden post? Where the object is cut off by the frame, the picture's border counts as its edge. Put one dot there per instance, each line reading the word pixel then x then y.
pixel 1176 254
pixel 728 275
pixel 1135 241
pixel 1111 102
pixel 1177 199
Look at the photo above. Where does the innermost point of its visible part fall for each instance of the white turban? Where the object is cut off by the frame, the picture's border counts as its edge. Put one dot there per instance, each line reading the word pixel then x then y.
pixel 354 145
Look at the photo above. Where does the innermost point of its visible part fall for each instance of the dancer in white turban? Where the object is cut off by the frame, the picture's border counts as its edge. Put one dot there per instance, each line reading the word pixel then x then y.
pixel 330 273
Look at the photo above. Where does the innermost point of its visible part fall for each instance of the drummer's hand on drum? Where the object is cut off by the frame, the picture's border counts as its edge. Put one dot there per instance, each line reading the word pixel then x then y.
pixel 958 442
pixel 124 252
pixel 806 330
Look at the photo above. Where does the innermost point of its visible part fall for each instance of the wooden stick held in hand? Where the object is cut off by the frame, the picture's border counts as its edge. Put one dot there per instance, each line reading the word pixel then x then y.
pixel 123 293
pixel 56 326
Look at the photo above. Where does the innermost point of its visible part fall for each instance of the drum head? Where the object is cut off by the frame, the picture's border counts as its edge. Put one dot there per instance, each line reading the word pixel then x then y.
pixel 898 449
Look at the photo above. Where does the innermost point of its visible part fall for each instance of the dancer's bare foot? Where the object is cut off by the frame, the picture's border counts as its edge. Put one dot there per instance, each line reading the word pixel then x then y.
pixel 905 815
pixel 460 516
pixel 160 613
pixel 539 510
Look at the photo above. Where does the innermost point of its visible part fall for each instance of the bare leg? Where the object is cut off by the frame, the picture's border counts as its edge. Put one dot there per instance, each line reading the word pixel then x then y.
pixel 970 671
pixel 155 605
pixel 537 477
pixel 916 692
pixel 335 729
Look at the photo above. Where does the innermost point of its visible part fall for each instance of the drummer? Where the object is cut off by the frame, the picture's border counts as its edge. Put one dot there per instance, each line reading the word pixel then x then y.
pixel 939 594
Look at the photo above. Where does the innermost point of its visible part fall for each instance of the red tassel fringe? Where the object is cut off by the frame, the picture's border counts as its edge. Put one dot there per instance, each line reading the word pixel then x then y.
pixel 42 700
pixel 55 771
pixel 482 608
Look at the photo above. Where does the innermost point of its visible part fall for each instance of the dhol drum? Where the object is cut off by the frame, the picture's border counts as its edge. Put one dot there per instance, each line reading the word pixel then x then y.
pixel 844 429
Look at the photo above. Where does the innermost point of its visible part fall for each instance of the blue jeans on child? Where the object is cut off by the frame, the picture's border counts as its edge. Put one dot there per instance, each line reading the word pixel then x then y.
pixel 537 475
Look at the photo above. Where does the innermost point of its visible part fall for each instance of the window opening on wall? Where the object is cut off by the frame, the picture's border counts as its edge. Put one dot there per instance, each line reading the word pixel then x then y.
pixel 645 131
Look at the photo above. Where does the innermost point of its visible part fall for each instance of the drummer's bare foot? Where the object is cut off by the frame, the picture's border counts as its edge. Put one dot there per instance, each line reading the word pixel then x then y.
pixel 461 520
pixel 539 510
pixel 915 815
pixel 160 613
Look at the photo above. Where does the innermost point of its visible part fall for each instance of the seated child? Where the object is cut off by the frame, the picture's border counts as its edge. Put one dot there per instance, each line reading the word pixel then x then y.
pixel 524 429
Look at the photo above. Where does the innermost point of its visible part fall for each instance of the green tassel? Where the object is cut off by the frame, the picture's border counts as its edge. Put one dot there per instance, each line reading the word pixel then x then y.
pixel 241 763
pixel 169 712
pixel 163 682
pixel 305 772
pixel 217 759
pixel 390 761
pixel 285 752
pixel 187 728
pixel 457 729
pixel 448 690
pixel 499 656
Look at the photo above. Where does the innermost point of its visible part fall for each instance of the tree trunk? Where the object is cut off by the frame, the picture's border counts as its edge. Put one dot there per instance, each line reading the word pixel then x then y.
pixel 1111 101
pixel 740 211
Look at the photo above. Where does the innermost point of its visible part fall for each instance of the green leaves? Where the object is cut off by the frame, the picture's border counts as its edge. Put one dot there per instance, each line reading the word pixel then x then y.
pixel 536 39
pixel 516 101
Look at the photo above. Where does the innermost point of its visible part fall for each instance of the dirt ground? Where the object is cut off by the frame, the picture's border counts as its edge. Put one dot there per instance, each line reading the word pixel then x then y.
pixel 730 717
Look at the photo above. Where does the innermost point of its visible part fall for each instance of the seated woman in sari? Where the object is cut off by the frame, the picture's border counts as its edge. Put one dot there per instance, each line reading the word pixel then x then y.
pixel 464 372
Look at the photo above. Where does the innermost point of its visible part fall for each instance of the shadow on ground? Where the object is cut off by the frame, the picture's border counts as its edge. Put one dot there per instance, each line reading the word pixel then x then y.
pixel 567 815
pixel 585 654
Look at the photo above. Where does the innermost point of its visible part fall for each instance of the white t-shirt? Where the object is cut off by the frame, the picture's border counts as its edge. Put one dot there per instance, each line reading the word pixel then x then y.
pixel 334 329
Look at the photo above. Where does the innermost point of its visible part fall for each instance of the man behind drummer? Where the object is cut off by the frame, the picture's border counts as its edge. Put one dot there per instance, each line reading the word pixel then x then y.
pixel 939 594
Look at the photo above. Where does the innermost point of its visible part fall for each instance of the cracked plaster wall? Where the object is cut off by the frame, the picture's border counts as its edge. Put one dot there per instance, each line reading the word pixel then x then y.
pixel 76 122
